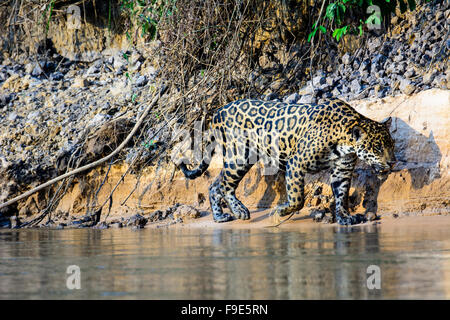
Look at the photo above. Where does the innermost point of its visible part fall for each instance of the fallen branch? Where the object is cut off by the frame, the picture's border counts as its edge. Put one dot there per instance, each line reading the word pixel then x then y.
pixel 93 164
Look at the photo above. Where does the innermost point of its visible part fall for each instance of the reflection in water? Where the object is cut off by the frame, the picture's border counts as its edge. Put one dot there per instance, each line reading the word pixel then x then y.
pixel 315 263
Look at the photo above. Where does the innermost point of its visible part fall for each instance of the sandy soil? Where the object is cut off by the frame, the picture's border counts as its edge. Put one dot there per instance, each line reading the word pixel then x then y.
pixel 262 219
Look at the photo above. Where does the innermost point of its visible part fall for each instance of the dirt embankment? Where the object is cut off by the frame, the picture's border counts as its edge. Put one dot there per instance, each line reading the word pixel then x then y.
pixel 76 103
pixel 420 184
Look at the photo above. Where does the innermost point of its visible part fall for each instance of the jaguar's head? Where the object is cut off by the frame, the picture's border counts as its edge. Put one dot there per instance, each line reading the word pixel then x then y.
pixel 375 146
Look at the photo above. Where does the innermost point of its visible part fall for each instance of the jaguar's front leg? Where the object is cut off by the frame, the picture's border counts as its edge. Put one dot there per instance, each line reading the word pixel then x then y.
pixel 340 184
pixel 295 184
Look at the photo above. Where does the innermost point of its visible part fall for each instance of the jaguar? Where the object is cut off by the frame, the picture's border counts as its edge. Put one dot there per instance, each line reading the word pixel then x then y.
pixel 300 138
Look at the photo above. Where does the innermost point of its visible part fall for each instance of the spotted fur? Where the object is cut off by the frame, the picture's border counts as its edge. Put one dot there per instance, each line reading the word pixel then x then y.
pixel 302 138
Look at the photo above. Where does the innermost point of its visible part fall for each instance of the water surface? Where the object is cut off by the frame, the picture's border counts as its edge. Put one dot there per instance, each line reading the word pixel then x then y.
pixel 316 262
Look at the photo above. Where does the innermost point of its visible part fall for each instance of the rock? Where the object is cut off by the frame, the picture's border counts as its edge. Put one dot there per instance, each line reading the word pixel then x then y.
pixel 306 99
pixel 410 73
pixel 293 98
pixel 356 63
pixel 101 226
pixel 186 212
pixel 331 81
pixel 306 90
pixel 346 59
pixel 141 81
pixel 407 87
pixel 56 76
pixel 151 73
pixel 399 58
pixel 271 96
pixel 319 80
pixel 35 115
pixel 440 82
pixel 99 119
pixel 80 83
pixel 37 71
pixel 429 77
pixel 119 61
pixel 364 66
pixel 119 88
pixel 336 92
pixel 137 221
pixel 5 99
pixel 276 85
pixel 94 69
pixel 379 59
pixel 355 86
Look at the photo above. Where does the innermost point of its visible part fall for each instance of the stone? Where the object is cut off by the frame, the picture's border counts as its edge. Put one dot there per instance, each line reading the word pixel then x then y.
pixel 80 83
pixel 335 92
pixel 56 76
pixel 410 73
pixel 12 116
pixel 186 212
pixel 407 87
pixel 306 90
pixel 429 77
pixel 119 61
pixel 399 58
pixel 306 99
pixel 331 81
pixel 318 81
pixel 346 59
pixel 137 221
pixel 293 98
pixel 355 86
pixel 141 81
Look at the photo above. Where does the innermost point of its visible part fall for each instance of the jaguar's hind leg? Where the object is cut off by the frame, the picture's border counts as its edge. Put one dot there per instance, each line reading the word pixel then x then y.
pixel 215 199
pixel 295 184
pixel 232 175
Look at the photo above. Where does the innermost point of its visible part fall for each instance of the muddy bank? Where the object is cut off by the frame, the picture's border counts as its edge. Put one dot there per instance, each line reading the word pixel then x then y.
pixel 419 185
pixel 72 105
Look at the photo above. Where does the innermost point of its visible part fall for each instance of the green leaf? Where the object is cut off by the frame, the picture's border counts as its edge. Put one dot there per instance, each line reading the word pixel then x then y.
pixel 330 12
pixel 323 29
pixel 311 35
pixel 338 33
pixel 412 4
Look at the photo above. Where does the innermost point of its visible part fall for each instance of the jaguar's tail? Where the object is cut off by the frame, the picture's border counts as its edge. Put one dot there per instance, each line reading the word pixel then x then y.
pixel 197 172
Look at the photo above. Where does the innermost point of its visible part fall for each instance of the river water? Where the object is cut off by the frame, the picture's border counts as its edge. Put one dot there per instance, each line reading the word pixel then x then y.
pixel 412 260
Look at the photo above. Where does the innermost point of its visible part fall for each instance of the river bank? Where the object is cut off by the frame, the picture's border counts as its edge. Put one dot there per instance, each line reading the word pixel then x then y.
pixel 61 109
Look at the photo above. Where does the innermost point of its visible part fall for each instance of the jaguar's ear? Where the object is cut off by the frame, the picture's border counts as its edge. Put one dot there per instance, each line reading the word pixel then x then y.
pixel 387 122
pixel 358 133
